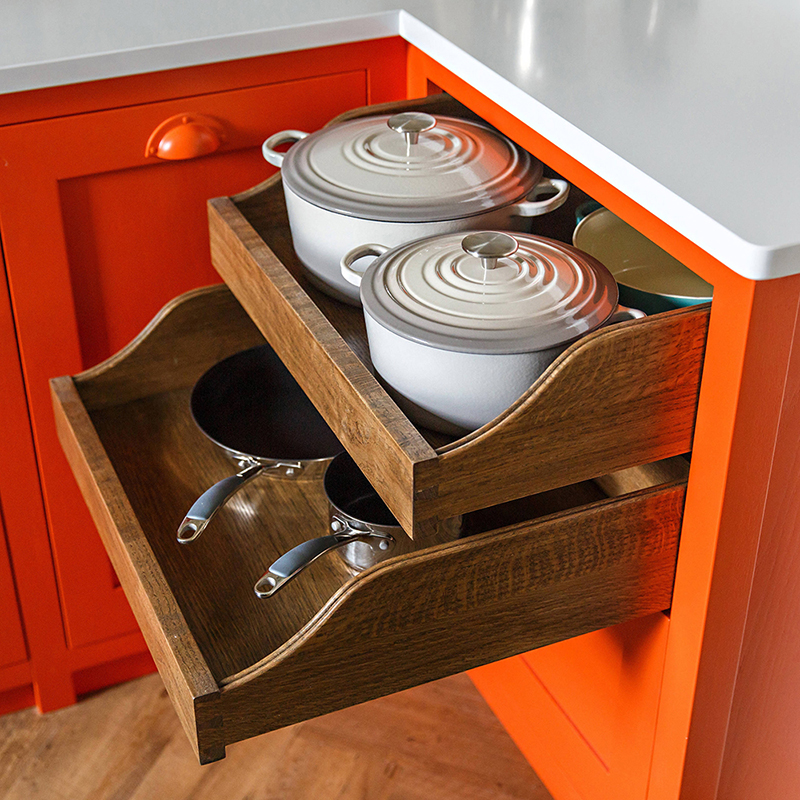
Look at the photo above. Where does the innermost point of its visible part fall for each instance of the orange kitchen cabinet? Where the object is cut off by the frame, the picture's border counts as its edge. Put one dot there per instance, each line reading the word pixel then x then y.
pixel 702 703
pixel 12 639
pixel 97 236
pixel 98 232
pixel 26 574
pixel 15 673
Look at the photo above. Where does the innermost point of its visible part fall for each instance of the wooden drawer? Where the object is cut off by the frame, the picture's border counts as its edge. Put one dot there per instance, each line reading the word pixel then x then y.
pixel 630 389
pixel 553 566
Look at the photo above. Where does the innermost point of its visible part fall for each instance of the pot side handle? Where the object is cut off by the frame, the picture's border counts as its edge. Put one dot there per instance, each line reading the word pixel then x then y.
pixel 535 208
pixel 348 259
pixel 276 140
pixel 624 314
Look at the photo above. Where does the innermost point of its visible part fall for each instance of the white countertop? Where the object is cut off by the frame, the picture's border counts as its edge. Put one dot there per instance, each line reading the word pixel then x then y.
pixel 690 107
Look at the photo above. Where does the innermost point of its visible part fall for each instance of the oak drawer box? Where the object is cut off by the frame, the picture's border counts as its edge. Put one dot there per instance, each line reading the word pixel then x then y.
pixel 623 396
pixel 237 666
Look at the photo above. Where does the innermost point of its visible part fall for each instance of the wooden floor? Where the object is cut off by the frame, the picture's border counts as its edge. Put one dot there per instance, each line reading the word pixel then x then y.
pixel 435 742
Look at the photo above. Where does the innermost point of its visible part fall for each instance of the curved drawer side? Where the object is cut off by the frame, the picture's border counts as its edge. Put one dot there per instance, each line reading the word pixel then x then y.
pixel 620 397
pixel 459 605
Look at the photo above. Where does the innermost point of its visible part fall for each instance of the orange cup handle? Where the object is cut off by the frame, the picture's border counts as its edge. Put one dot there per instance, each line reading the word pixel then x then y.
pixel 185 136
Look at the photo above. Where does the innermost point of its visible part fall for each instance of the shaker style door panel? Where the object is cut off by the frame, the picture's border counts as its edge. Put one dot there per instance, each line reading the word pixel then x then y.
pixel 98 235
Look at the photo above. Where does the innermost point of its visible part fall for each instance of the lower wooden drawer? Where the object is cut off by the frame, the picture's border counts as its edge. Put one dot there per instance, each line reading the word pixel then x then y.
pixel 531 572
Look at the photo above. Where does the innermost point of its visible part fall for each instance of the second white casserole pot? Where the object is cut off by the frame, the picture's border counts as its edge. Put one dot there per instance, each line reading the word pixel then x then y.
pixel 394 179
pixel 459 327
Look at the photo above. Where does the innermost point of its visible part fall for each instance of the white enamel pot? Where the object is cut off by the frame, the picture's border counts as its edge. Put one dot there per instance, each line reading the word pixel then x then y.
pixel 459 327
pixel 395 179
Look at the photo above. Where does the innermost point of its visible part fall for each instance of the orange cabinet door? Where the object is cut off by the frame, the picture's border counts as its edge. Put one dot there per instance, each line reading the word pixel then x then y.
pixel 97 236
pixel 12 640
pixel 584 711
pixel 31 665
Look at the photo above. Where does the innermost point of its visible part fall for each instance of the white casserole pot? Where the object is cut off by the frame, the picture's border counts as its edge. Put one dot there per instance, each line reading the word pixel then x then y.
pixel 395 179
pixel 459 327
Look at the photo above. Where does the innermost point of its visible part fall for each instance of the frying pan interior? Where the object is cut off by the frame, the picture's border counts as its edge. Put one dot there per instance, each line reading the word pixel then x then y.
pixel 249 403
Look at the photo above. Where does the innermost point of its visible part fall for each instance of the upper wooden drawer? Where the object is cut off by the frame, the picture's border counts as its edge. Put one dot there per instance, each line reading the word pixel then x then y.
pixel 623 396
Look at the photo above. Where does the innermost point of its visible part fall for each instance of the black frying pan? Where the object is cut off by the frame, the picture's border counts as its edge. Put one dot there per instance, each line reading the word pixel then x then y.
pixel 251 407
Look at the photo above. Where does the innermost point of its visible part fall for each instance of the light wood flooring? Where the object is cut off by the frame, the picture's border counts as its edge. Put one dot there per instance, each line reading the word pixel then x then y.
pixel 435 742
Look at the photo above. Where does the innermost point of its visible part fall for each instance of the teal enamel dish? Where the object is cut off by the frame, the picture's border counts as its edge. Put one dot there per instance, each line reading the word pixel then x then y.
pixel 649 278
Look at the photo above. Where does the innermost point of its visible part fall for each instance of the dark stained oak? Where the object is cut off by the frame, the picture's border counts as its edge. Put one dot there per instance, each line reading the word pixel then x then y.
pixel 467 603
pixel 185 348
pixel 236 666
pixel 621 397
pixel 172 644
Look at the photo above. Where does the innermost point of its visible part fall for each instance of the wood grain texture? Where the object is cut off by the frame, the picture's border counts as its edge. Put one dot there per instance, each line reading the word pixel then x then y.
pixel 630 390
pixel 235 665
pixel 170 641
pixel 165 462
pixel 210 624
pixel 435 742
pixel 459 605
pixel 634 478
pixel 197 330
pixel 212 578
pixel 623 396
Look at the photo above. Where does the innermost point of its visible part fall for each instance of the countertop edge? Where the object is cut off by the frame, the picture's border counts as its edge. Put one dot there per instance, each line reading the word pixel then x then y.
pixel 751 261
pixel 174 55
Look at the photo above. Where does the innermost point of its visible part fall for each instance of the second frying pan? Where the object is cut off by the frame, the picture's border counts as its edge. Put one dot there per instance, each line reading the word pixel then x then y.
pixel 252 408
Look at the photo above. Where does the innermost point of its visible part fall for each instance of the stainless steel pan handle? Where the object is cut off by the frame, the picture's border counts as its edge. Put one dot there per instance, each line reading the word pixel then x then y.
pixel 213 499
pixel 291 564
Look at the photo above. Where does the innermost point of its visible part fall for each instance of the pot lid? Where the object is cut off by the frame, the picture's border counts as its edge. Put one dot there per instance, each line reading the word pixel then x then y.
pixel 409 167
pixel 488 292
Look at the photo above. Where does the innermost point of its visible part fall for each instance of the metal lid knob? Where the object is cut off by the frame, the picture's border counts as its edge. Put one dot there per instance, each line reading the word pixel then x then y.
pixel 411 124
pixel 489 247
